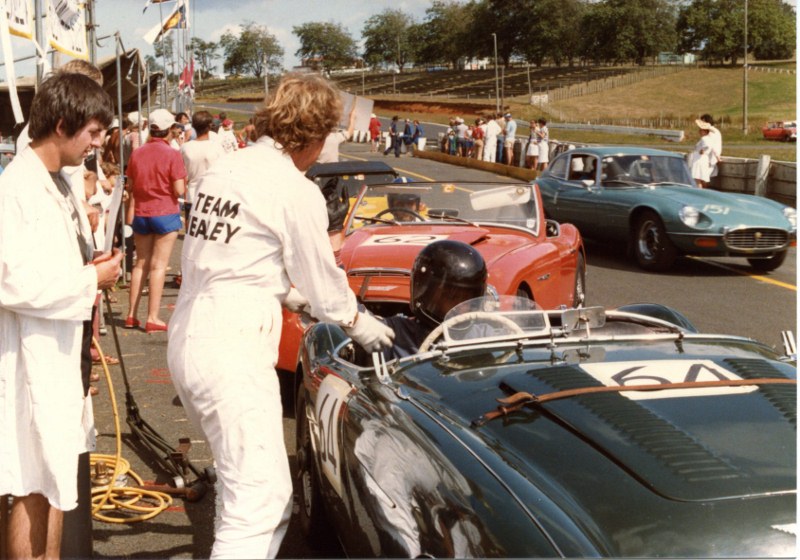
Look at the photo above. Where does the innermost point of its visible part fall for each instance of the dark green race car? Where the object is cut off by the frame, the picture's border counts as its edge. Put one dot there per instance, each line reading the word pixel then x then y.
pixel 521 433
pixel 648 199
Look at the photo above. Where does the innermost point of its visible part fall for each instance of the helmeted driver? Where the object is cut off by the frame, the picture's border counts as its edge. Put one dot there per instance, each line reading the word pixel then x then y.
pixel 444 274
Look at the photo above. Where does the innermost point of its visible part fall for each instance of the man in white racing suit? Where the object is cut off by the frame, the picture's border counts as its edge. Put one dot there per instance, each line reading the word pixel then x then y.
pixel 257 227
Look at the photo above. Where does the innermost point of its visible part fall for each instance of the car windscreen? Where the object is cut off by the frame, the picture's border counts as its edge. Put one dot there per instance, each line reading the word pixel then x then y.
pixel 354 182
pixel 419 203
pixel 644 169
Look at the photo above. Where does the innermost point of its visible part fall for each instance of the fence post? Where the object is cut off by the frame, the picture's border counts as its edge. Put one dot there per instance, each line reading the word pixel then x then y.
pixel 762 171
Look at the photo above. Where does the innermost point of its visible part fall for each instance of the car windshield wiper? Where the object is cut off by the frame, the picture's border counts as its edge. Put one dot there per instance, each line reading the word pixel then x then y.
pixel 380 220
pixel 453 219
pixel 624 182
pixel 675 183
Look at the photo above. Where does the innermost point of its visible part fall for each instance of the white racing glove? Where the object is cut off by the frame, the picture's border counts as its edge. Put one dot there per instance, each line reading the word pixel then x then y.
pixel 370 333
pixel 295 301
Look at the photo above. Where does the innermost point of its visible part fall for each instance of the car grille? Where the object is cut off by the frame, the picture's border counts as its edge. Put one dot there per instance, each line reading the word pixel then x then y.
pixel 756 239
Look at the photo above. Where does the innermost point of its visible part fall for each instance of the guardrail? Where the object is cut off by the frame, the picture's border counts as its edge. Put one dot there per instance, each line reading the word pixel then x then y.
pixel 672 135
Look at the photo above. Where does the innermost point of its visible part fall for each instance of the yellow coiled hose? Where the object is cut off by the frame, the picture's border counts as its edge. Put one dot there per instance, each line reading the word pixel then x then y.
pixel 120 504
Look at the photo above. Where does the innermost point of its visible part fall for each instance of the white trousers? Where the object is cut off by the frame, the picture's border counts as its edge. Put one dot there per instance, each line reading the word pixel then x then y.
pixel 490 149
pixel 230 390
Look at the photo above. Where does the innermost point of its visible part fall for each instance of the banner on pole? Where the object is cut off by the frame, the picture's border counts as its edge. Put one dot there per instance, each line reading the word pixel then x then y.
pixel 176 20
pixel 147 4
pixel 11 77
pixel 21 17
pixel 66 28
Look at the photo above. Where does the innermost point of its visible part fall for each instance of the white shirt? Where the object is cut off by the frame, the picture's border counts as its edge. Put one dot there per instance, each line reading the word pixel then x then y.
pixel 198 155
pixel 227 139
pixel 492 129
pixel 46 292
pixel 330 150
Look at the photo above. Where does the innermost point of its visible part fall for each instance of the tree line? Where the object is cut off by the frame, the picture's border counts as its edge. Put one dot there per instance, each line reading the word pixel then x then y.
pixel 559 32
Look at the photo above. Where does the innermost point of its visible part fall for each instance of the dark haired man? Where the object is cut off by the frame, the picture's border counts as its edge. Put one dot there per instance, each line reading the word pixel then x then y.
pixel 48 285
pixel 198 155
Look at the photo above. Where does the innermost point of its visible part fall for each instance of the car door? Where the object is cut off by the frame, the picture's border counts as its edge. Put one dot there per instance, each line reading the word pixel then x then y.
pixel 577 200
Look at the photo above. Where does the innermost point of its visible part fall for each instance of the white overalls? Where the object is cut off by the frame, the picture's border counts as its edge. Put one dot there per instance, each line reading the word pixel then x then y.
pixel 257 226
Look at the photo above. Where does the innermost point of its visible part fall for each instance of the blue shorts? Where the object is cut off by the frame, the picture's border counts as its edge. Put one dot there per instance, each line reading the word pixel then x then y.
pixel 145 225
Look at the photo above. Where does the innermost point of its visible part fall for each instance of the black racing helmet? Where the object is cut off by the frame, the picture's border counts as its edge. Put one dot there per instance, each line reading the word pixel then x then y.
pixel 444 274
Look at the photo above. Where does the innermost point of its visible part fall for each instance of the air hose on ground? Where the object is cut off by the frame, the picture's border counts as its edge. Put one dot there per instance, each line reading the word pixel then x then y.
pixel 115 503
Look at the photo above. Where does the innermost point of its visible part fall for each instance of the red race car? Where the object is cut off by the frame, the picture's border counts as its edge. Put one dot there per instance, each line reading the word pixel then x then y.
pixel 785 131
pixel 388 224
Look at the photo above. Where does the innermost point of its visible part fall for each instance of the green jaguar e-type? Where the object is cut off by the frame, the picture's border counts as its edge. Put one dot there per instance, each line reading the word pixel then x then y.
pixel 648 198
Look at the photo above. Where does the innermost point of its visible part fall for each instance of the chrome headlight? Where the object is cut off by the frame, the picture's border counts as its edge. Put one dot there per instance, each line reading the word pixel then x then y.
pixel 791 214
pixel 689 215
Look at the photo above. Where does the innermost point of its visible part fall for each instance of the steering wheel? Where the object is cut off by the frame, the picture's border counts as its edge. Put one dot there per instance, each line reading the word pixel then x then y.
pixel 394 212
pixel 487 316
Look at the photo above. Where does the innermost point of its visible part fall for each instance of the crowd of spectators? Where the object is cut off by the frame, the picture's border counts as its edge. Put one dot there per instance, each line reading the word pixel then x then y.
pixel 492 138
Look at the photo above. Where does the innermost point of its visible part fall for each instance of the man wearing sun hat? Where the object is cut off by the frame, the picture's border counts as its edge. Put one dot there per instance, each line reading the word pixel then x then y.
pixel 715 140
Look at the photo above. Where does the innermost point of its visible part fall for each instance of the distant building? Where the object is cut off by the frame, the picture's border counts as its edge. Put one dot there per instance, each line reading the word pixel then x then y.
pixel 473 63
pixel 673 58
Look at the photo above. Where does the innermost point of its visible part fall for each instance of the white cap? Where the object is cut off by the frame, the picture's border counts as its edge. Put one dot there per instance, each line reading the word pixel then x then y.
pixel 161 119
pixel 134 117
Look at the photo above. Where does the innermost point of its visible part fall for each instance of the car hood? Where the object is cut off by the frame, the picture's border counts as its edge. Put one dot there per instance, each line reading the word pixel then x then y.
pixel 386 254
pixel 727 208
pixel 655 464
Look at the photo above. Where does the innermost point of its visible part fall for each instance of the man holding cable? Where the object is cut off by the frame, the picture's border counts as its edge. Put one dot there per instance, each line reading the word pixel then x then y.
pixel 48 283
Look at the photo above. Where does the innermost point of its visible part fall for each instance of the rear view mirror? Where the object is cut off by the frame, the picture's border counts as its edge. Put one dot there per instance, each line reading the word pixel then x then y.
pixel 585 317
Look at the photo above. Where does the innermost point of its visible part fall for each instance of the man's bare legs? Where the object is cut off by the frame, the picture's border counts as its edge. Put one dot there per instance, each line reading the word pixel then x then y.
pixel 34 528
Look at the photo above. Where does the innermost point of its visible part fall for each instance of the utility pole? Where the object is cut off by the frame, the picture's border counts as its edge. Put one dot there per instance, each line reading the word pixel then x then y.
pixel 496 77
pixel 744 70
pixel 266 74
pixel 40 38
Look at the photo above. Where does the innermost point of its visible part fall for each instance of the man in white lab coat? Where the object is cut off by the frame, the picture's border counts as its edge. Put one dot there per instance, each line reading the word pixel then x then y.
pixel 257 227
pixel 48 284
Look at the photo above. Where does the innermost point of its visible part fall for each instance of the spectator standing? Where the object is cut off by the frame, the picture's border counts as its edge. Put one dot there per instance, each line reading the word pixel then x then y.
pixel 198 155
pixel 227 138
pixel 330 150
pixel 478 135
pixel 715 141
pixel 511 138
pixel 532 151
pixel 112 143
pixel 247 136
pixel 374 132
pixel 461 136
pixel 419 135
pixel 544 144
pixel 703 154
pixel 224 333
pixel 134 136
pixel 186 122
pixel 156 178
pixel 47 290
pixel 493 130
pixel 408 135
pixel 394 136
pixel 176 137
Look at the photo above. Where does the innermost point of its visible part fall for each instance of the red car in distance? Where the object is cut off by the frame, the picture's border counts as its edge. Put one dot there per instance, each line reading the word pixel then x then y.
pixel 785 131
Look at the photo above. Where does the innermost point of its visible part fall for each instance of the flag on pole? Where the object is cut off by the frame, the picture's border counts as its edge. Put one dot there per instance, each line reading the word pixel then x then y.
pixel 147 4
pixel 176 20
pixel 187 76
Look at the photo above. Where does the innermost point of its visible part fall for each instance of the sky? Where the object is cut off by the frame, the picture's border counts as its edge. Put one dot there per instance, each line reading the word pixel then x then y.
pixel 211 18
